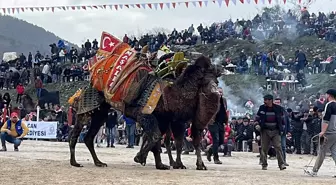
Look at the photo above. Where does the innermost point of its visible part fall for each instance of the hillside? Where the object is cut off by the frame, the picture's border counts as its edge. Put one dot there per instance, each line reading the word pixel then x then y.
pixel 310 45
pixel 22 37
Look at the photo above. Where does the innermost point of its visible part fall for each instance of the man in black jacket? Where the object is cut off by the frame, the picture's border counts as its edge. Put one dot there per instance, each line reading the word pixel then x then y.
pixel 111 123
pixel 269 117
pixel 217 129
pixel 286 129
pixel 307 131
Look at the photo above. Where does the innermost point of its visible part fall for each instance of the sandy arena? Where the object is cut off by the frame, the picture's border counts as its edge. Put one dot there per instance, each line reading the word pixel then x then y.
pixel 40 162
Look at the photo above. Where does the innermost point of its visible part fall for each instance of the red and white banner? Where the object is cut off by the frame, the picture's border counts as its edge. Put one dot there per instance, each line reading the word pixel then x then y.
pixel 155 6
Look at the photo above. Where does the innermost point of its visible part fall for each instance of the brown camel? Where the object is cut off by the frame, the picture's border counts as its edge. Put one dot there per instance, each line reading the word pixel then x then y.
pixel 193 96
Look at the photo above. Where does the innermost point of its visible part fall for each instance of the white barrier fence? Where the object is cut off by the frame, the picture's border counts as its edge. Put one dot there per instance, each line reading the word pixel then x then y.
pixel 41 129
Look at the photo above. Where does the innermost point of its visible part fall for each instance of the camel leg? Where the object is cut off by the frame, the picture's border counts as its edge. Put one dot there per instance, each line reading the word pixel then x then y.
pixel 178 130
pixel 196 136
pixel 151 136
pixel 157 155
pixel 168 147
pixel 96 123
pixel 140 157
pixel 73 140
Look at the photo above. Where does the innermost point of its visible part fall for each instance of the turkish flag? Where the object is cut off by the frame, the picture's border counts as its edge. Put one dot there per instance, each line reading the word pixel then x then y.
pixel 108 42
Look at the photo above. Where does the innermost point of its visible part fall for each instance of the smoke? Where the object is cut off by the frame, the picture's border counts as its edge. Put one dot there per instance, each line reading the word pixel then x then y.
pixel 290 30
pixel 236 98
pixel 218 60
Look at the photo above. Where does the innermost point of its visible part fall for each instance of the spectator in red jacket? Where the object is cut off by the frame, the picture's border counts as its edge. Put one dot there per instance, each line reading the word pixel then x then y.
pixel 20 90
pixel 38 86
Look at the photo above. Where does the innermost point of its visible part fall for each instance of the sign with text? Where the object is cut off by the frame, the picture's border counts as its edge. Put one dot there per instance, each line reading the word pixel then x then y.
pixel 41 130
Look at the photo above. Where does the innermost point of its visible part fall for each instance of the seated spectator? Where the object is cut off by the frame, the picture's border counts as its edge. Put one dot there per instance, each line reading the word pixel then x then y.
pixel 187 141
pixel 206 141
pixel 13 131
pixel 245 133
pixel 228 140
pixel 63 132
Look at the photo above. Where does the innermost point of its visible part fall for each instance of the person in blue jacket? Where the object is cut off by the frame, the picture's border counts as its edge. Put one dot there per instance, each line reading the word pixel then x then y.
pixel 130 131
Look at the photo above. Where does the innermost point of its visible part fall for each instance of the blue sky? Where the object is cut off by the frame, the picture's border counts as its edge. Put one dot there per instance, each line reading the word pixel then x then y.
pixel 77 26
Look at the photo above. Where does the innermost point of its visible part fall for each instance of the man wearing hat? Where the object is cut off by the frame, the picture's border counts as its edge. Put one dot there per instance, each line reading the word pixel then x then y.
pixel 13 131
pixel 328 132
pixel 269 118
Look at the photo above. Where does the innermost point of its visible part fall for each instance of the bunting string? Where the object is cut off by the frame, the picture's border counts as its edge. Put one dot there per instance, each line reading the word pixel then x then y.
pixel 153 6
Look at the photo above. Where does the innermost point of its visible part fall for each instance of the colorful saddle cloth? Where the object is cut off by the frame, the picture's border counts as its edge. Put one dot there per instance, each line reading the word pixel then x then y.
pixel 117 71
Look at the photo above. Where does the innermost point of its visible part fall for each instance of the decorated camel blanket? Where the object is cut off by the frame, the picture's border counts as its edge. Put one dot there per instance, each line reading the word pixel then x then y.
pixel 118 72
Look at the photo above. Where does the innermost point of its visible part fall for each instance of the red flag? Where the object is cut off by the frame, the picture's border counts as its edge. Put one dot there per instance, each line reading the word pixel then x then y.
pixel 116 7
pixel 84 7
pixel 4 10
pixel 108 42
pixel 256 1
pixel 149 5
pixel 22 9
pixel 138 5
pixel 104 6
pixel 73 8
pixel 269 1
pixel 200 3
pixel 95 7
pixel 242 1
pixel 161 5
pixel 52 9
pixel 187 4
pixel 284 1
pixel 214 1
pixel 13 10
pixel 227 2
pixel 174 5
pixel 299 1
pixel 127 6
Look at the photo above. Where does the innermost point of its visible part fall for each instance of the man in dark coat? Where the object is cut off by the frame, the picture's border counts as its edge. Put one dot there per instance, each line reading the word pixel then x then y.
pixel 217 129
pixel 286 129
pixel 111 123
pixel 269 117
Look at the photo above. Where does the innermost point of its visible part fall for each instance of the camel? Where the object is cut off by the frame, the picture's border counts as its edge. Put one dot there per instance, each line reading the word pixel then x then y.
pixel 192 97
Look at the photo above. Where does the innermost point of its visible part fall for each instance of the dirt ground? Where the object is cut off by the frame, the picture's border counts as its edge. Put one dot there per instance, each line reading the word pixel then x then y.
pixel 41 162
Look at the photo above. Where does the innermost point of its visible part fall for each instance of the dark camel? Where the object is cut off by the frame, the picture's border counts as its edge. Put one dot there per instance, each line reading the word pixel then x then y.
pixel 192 95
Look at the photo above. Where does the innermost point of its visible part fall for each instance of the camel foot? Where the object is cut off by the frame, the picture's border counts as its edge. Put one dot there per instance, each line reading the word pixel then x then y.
pixel 140 160
pixel 201 166
pixel 100 164
pixel 75 164
pixel 161 166
pixel 179 165
pixel 172 162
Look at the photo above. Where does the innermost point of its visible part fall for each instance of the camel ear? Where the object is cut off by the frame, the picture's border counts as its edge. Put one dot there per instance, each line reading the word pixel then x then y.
pixel 203 62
